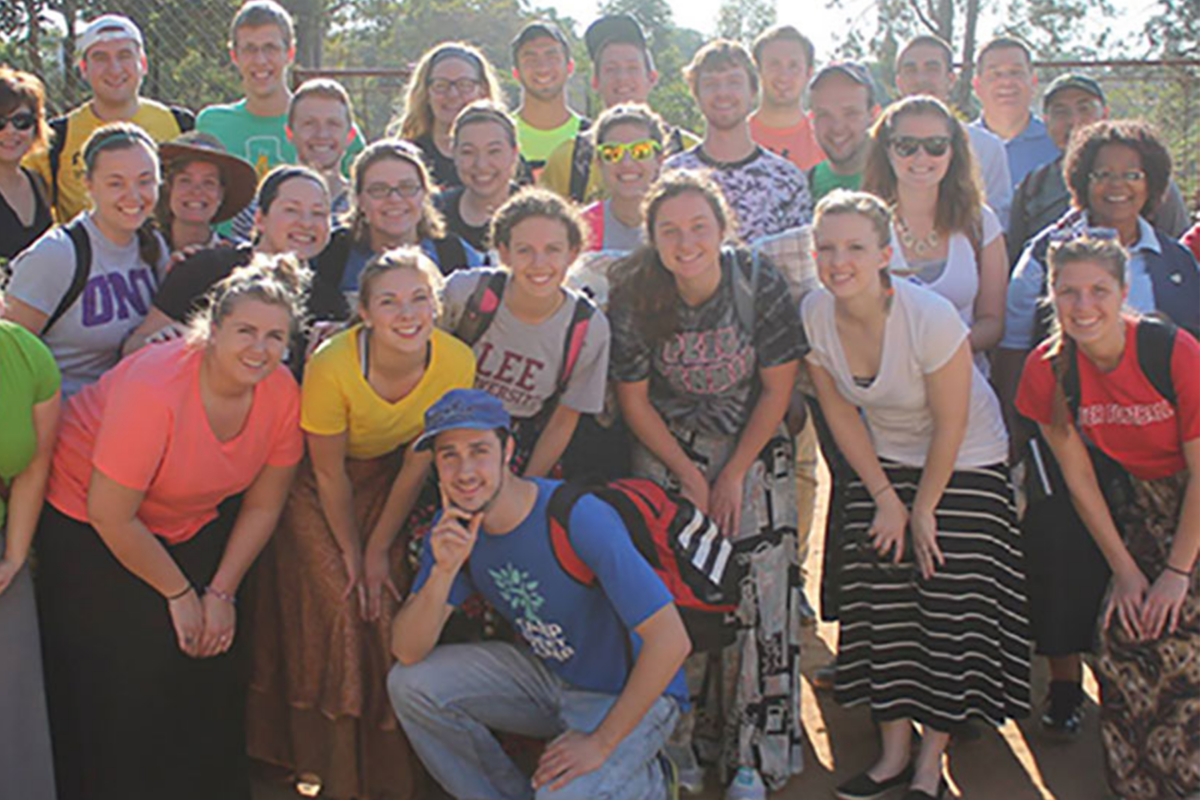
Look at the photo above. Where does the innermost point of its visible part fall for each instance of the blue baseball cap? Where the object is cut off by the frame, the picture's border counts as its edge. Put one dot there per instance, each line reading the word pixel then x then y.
pixel 473 409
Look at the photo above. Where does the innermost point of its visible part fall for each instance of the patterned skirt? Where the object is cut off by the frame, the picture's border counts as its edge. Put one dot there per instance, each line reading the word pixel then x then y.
pixel 318 693
pixel 747 696
pixel 1150 691
pixel 943 650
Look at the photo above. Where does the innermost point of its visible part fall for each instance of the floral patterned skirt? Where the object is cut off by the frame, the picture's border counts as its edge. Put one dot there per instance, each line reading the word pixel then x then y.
pixel 1150 691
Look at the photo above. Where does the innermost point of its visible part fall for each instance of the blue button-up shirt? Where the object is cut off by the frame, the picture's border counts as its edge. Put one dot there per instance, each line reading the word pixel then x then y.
pixel 1028 150
pixel 1025 286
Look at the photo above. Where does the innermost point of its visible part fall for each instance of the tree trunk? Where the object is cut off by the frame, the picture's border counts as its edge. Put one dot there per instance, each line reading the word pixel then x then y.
pixel 34 42
pixel 962 95
pixel 71 78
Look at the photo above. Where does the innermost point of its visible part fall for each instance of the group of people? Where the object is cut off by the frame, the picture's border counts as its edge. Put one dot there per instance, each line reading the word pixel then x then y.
pixel 302 437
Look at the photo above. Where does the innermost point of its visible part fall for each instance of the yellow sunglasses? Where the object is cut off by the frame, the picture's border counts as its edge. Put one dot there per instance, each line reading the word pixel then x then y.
pixel 641 150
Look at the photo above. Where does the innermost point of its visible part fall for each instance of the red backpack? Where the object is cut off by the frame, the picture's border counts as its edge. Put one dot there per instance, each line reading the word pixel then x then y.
pixel 683 547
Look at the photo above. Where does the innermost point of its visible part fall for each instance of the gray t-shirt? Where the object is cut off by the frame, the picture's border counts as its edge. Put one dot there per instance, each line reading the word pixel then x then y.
pixel 618 235
pixel 520 363
pixel 86 340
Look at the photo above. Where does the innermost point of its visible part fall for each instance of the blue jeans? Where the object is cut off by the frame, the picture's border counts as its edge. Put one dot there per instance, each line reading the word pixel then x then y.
pixel 450 703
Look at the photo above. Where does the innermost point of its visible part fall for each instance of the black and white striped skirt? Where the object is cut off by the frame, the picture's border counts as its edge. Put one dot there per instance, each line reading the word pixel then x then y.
pixel 943 650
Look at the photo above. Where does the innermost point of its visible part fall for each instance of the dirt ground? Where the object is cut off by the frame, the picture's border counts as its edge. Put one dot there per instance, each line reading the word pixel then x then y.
pixel 1014 762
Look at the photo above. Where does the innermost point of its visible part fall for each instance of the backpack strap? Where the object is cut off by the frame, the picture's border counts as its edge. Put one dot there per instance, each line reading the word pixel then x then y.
pixel 581 166
pixel 745 287
pixel 450 253
pixel 58 140
pixel 184 118
pixel 482 306
pixel 558 514
pixel 1155 347
pixel 83 270
pixel 581 318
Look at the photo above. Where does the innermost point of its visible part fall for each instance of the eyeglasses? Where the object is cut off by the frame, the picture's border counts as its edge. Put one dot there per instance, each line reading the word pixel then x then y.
pixel 907 146
pixel 461 87
pixel 21 121
pixel 1107 176
pixel 641 150
pixel 381 191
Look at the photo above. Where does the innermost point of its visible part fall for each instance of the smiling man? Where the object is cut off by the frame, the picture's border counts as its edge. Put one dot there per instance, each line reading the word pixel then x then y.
pixel 262 47
pixel 600 675
pixel 623 72
pixel 843 103
pixel 768 192
pixel 784 58
pixel 542 64
pixel 113 62
pixel 1005 83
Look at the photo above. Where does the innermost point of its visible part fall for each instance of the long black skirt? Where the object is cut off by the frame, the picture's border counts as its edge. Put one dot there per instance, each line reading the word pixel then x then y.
pixel 131 716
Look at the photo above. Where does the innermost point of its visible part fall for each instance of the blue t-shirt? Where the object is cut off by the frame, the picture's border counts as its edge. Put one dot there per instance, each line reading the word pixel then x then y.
pixel 582 634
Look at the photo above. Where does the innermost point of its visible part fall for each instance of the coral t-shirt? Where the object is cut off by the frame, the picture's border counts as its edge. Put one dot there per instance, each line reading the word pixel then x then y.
pixel 144 426
pixel 1119 411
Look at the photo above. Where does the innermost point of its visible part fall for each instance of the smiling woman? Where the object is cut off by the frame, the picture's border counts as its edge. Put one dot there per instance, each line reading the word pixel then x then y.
pixel 141 558
pixel 85 287
pixel 24 210
pixel 329 584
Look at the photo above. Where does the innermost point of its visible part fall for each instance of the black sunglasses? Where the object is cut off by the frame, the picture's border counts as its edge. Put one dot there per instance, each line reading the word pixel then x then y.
pixel 22 120
pixel 906 146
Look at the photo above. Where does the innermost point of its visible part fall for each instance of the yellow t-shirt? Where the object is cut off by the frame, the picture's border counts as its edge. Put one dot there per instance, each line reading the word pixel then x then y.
pixel 154 118
pixel 336 397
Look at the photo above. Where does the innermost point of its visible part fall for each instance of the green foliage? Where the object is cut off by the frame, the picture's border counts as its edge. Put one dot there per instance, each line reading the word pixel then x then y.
pixel 743 20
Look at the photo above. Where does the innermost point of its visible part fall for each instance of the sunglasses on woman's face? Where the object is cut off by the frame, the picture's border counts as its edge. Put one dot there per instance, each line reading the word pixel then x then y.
pixel 906 146
pixel 22 120
pixel 641 150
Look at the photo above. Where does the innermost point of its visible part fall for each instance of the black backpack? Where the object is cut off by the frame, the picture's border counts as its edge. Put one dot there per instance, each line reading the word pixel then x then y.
pixel 83 270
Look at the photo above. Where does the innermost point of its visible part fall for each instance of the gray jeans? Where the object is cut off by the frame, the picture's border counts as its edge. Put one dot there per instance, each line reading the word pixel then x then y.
pixel 450 703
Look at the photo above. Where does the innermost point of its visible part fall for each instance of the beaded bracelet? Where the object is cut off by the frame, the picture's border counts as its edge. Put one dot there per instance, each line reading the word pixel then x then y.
pixel 217 593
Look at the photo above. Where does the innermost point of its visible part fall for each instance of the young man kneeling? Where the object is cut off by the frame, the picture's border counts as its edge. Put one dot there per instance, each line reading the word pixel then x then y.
pixel 601 674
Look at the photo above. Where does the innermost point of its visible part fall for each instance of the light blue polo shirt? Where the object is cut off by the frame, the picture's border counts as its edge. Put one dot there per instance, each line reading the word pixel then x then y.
pixel 1028 150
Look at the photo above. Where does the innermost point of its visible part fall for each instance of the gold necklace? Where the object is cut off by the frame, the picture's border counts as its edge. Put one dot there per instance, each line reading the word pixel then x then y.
pixel 917 247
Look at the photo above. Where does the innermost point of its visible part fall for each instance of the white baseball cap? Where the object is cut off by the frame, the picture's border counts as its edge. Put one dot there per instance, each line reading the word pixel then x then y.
pixel 109 28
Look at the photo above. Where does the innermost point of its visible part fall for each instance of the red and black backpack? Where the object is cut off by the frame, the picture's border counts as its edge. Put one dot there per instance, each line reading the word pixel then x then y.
pixel 683 547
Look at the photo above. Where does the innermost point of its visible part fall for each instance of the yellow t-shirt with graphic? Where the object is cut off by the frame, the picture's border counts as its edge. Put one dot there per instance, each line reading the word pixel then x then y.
pixel 336 397
pixel 72 195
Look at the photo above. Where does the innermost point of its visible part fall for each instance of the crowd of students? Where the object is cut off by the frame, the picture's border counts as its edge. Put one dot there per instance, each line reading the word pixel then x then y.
pixel 286 415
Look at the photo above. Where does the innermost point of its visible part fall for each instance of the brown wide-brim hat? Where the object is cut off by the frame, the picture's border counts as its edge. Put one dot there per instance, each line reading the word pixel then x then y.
pixel 239 178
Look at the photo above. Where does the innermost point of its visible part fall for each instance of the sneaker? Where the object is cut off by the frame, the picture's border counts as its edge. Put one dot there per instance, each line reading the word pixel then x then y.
pixel 747 785
pixel 864 787
pixel 688 772
pixel 808 614
pixel 1063 718
pixel 670 776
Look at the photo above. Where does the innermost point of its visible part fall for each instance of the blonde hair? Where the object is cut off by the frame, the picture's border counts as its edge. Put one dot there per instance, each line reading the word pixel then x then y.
pixel 410 258
pixel 276 279
pixel 417 120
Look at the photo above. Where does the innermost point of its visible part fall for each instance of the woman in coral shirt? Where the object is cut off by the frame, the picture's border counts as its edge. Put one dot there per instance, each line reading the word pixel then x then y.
pixel 142 557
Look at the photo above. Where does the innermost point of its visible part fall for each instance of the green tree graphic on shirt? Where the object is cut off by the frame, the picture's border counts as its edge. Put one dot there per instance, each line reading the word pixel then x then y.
pixel 518 591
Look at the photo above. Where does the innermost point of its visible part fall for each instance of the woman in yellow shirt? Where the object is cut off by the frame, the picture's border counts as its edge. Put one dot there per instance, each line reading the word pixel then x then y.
pixel 336 572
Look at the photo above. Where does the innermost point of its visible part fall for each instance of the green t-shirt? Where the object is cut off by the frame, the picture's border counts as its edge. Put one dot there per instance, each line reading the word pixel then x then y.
pixel 537 144
pixel 825 180
pixel 30 377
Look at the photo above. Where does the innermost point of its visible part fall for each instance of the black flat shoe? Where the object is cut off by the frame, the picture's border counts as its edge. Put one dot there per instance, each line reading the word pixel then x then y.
pixel 1063 717
pixel 864 787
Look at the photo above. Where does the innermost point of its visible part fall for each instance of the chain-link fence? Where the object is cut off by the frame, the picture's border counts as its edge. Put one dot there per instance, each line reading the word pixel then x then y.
pixel 188 64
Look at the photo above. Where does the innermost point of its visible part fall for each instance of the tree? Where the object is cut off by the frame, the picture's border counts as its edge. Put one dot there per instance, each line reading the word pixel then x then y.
pixel 743 20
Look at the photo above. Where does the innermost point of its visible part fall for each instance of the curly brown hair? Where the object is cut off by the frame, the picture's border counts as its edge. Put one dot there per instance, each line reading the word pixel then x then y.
pixel 1136 134
pixel 960 195
pixel 534 202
